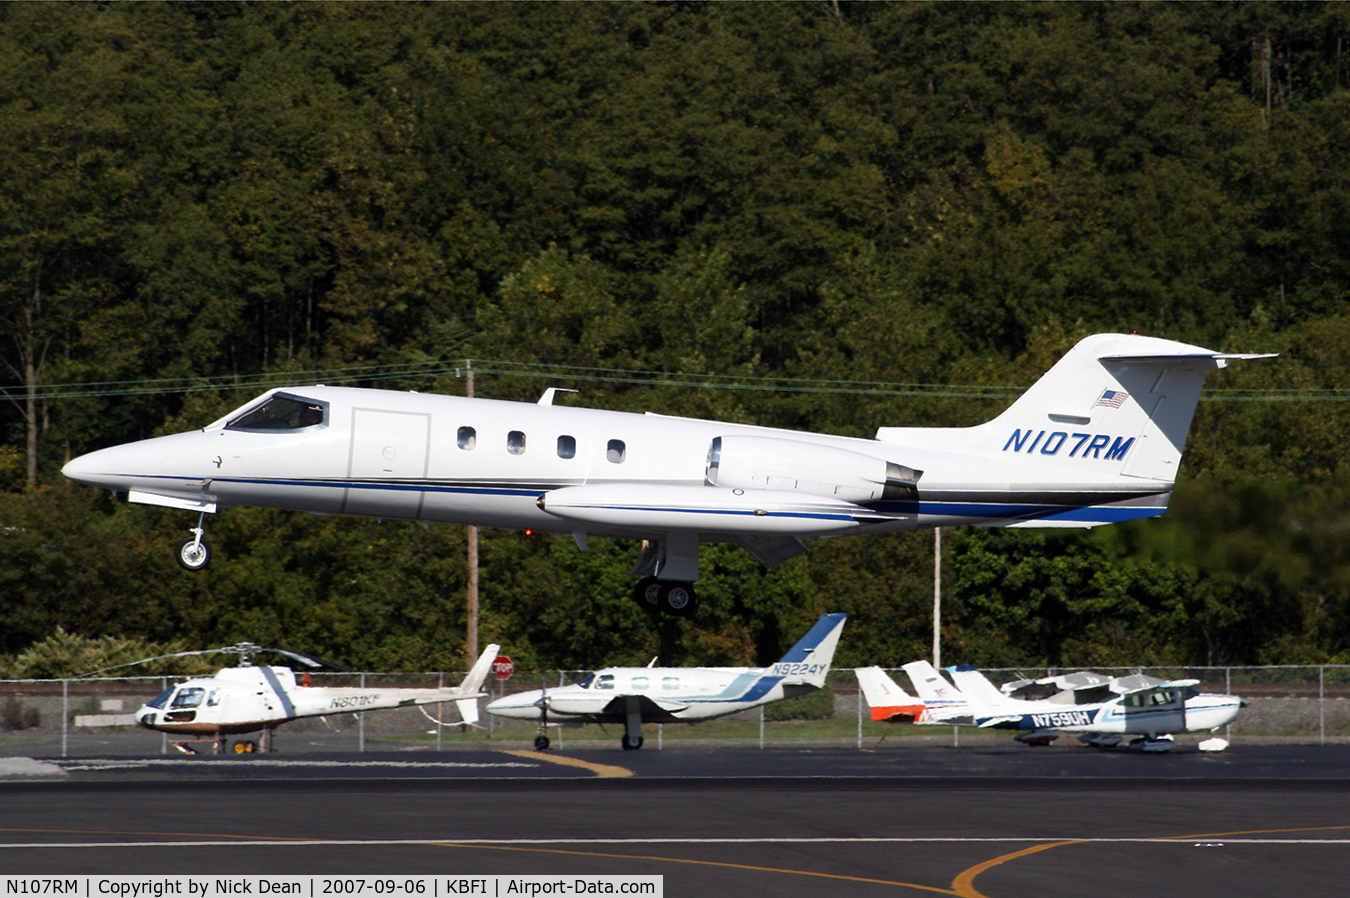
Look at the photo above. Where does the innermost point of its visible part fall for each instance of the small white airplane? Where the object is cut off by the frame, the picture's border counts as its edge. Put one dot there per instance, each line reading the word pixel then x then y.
pixel 1097 440
pixel 247 699
pixel 1143 705
pixel 632 696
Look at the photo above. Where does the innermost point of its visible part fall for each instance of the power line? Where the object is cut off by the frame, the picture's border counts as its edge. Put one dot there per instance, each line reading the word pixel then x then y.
pixel 578 373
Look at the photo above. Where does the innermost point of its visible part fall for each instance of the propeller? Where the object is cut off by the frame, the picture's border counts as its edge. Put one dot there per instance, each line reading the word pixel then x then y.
pixel 245 651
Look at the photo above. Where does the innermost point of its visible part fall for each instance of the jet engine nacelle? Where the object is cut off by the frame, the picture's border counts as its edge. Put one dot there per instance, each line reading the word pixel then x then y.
pixel 768 463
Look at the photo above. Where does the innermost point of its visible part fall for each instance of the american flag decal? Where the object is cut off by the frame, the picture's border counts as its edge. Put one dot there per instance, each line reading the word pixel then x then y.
pixel 1113 398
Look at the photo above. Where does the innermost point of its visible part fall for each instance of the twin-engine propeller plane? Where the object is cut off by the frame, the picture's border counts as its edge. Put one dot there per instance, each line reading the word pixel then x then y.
pixel 247 699
pixel 632 696
pixel 1100 709
pixel 1097 440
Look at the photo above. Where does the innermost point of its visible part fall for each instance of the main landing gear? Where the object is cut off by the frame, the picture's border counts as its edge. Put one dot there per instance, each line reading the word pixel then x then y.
pixel 193 553
pixel 632 728
pixel 675 597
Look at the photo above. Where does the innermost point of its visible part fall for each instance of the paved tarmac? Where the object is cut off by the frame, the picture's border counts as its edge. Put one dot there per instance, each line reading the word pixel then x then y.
pixel 985 821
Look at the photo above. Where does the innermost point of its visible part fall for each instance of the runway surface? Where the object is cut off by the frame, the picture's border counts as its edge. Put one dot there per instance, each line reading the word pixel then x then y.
pixel 991 822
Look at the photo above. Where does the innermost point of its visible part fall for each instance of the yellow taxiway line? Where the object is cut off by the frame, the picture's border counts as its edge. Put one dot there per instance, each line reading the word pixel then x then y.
pixel 600 770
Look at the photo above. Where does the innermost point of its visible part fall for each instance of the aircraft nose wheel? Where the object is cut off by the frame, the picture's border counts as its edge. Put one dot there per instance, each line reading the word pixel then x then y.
pixel 541 743
pixel 193 554
pixel 630 743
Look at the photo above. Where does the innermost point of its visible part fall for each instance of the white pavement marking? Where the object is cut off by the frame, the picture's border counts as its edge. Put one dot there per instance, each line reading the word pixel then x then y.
pixel 28 767
pixel 131 764
pixel 785 840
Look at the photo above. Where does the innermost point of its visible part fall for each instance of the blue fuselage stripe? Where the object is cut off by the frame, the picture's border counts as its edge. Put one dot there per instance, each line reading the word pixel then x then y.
pixel 987 509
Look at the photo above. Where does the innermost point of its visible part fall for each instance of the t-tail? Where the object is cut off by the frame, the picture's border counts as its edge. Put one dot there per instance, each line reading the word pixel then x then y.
pixel 1097 440
pixel 473 682
pixel 808 662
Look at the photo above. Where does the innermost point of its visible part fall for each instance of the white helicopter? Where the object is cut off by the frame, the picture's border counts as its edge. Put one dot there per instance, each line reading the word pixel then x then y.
pixel 1102 709
pixel 1097 440
pixel 633 696
pixel 247 699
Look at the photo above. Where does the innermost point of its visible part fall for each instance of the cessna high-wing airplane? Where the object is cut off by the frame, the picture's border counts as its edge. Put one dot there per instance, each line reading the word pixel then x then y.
pixel 632 696
pixel 247 699
pixel 1097 440
pixel 1143 705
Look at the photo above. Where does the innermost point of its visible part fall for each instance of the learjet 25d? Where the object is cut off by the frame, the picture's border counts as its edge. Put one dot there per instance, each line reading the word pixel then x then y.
pixel 1097 440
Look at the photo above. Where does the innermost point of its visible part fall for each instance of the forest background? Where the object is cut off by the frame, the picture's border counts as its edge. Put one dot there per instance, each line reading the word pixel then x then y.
pixel 829 216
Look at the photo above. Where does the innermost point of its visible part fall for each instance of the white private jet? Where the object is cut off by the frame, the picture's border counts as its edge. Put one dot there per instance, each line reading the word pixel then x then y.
pixel 1097 440
pixel 1147 706
pixel 247 699
pixel 632 696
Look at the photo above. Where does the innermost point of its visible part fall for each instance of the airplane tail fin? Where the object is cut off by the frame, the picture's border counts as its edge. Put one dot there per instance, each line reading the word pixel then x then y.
pixel 983 696
pixel 939 698
pixel 880 690
pixel 808 662
pixel 1121 399
pixel 885 697
pixel 1114 411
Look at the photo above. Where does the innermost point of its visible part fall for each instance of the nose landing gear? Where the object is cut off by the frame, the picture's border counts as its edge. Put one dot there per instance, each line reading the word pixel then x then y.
pixel 193 553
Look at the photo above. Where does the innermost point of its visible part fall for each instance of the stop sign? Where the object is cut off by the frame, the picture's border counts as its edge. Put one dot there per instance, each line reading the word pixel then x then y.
pixel 503 667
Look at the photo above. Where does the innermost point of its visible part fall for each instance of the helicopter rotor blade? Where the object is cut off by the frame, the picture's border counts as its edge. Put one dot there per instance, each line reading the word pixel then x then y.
pixel 245 650
pixel 156 658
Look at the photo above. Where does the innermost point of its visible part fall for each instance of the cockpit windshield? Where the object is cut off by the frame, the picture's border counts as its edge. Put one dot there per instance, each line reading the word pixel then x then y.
pixel 159 700
pixel 282 411
pixel 189 697
pixel 585 682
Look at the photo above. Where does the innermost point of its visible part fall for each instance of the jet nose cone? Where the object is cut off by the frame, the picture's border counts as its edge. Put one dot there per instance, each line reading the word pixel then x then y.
pixel 142 464
pixel 83 468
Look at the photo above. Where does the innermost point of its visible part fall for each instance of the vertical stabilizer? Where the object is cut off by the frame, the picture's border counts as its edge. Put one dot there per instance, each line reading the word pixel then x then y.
pixel 808 662
pixel 984 699
pixel 885 696
pixel 939 697
pixel 1121 401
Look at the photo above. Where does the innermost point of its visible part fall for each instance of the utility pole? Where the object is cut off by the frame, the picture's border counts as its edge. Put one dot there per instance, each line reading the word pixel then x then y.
pixel 471 635
pixel 937 598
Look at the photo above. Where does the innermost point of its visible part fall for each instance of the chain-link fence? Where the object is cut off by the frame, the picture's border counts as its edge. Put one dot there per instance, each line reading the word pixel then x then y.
pixel 94 717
